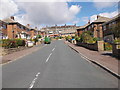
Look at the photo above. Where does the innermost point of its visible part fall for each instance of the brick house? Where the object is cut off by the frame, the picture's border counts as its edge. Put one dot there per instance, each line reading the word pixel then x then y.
pixel 107 28
pixel 3 30
pixel 81 29
pixel 60 30
pixel 96 27
pixel 12 29
pixel 15 29
pixel 32 32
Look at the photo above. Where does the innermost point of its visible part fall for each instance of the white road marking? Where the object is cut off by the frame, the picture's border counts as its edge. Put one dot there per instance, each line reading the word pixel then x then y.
pixel 33 82
pixel 53 49
pixel 48 57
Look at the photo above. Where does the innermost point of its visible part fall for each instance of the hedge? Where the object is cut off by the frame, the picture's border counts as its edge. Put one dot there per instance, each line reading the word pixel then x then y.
pixel 12 43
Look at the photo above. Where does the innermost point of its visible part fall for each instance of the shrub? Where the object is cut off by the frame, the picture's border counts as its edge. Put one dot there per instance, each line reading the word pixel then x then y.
pixel 39 36
pixel 117 40
pixel 77 38
pixel 68 37
pixel 19 42
pixel 107 46
pixel 35 40
pixel 96 39
pixel 12 43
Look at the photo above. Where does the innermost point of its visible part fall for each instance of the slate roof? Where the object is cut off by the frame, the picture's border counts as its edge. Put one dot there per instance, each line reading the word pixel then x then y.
pixel 112 19
pixel 101 19
pixel 82 27
pixel 9 20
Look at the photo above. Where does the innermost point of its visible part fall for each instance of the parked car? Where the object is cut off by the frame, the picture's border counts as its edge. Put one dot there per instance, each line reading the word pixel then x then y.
pixel 30 43
pixel 47 40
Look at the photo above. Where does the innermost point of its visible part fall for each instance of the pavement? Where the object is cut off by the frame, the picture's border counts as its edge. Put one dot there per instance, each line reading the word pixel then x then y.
pixel 55 65
pixel 103 59
pixel 19 54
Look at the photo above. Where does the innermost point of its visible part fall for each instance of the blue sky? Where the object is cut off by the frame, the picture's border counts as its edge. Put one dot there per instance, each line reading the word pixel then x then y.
pixel 88 9
pixel 50 13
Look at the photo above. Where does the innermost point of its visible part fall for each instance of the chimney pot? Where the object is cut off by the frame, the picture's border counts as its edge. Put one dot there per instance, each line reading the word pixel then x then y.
pixel 28 25
pixel 98 16
pixel 89 22
pixel 12 17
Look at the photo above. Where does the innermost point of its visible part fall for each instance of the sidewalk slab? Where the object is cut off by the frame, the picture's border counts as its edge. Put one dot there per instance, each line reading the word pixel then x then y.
pixel 107 62
pixel 19 54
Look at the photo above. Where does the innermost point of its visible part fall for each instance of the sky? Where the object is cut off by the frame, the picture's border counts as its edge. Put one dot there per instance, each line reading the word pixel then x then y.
pixel 40 13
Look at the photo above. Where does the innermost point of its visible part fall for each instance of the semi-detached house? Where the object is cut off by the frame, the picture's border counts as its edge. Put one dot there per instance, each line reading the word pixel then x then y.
pixel 12 29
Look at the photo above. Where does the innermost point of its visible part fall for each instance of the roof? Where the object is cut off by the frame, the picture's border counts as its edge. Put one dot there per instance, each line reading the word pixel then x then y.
pixel 82 27
pixel 9 20
pixel 65 26
pixel 112 19
pixel 28 27
pixel 101 19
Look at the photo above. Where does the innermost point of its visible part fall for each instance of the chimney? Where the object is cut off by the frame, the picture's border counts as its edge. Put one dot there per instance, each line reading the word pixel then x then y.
pixel 28 25
pixel 36 28
pixel 12 17
pixel 98 16
pixel 89 22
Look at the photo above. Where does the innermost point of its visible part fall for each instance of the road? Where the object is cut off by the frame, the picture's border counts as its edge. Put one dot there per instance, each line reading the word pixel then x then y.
pixel 55 66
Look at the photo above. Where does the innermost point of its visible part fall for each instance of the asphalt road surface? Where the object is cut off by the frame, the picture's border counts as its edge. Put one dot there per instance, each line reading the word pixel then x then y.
pixel 55 66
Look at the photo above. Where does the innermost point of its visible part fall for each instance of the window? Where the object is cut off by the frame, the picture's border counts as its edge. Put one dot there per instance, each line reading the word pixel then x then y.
pixel 92 25
pixel 89 27
pixel 4 26
pixel 21 27
pixel 110 25
pixel 114 22
pixel 104 28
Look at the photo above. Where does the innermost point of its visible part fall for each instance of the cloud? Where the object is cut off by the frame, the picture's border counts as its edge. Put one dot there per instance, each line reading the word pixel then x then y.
pixel 106 14
pixel 74 9
pixel 93 18
pixel 7 8
pixel 85 19
pixel 43 0
pixel 110 15
pixel 100 4
pixel 47 12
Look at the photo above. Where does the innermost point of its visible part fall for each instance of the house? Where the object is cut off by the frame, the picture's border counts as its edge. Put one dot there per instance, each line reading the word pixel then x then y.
pixel 32 32
pixel 63 31
pixel 96 27
pixel 3 30
pixel 15 29
pixel 81 29
pixel 12 29
pixel 108 32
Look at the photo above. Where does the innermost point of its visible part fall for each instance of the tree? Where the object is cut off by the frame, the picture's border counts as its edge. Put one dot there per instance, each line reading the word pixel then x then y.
pixel 39 36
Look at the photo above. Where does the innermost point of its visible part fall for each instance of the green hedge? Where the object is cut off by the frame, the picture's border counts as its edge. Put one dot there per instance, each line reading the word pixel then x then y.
pixel 12 43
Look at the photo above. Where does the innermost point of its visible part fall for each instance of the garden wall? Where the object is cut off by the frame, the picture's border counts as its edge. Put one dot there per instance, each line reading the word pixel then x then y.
pixel 99 46
pixel 89 46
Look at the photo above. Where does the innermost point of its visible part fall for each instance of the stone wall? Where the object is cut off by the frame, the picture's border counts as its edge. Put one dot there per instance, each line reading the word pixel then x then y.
pixel 99 46
pixel 89 46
